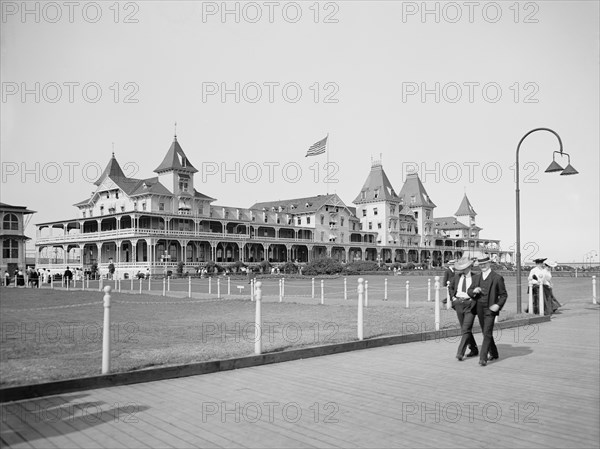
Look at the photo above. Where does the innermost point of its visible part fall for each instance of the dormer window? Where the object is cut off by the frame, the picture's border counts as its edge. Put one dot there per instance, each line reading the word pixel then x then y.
pixel 363 195
pixel 183 183
pixel 117 194
pixel 376 193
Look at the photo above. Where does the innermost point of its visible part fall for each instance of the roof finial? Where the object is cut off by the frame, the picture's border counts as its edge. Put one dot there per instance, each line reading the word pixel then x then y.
pixel 175 130
pixel 113 149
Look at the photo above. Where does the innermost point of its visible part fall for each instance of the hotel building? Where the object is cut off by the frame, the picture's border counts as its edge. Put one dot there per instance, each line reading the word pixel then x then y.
pixel 157 222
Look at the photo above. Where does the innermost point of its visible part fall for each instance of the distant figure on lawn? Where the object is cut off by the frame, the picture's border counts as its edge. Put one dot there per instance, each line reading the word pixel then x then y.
pixel 68 277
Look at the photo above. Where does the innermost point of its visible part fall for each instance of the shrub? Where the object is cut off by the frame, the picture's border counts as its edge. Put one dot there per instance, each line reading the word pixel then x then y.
pixel 361 266
pixel 289 268
pixel 409 266
pixel 180 265
pixel 212 267
pixel 265 266
pixel 238 265
pixel 323 266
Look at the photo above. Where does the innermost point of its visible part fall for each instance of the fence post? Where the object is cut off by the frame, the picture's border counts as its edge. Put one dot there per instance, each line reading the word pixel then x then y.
pixel 530 295
pixel 407 295
pixel 101 284
pixel 149 284
pixel 252 286
pixel 140 286
pixel 119 281
pixel 164 286
pixel 87 282
pixel 283 287
pixel 361 291
pixel 437 303
pixel 594 296
pixel 313 288
pixel 322 291
pixel 429 290
pixel 366 293
pixel 169 283
pixel 280 292
pixel 345 289
pixel 385 296
pixel 218 288
pixel 210 285
pixel 448 300
pixel 258 320
pixel 106 332
pixel 228 285
pixel 189 286
pixel 541 299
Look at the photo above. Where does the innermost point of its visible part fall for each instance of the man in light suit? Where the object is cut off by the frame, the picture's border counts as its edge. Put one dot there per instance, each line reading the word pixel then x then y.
pixel 465 307
pixel 488 289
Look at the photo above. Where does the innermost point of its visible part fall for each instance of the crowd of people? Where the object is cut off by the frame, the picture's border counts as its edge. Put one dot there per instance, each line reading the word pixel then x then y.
pixel 33 278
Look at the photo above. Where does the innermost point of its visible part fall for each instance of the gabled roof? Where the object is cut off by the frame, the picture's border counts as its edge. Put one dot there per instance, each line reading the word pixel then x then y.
pixel 19 209
pixel 377 182
pixel 413 187
pixel 112 171
pixel 302 205
pixel 449 223
pixel 465 208
pixel 202 196
pixel 175 159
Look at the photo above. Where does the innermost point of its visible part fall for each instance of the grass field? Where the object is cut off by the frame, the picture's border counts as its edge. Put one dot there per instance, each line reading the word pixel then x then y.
pixel 57 334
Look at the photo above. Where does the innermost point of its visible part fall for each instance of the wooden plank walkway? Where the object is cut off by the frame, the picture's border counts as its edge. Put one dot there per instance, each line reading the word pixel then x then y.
pixel 543 392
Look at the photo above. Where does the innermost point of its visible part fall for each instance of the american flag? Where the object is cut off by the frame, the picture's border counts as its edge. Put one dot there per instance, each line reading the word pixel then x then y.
pixel 317 148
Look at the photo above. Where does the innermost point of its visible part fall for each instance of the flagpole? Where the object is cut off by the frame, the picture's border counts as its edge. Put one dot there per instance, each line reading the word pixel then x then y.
pixel 327 165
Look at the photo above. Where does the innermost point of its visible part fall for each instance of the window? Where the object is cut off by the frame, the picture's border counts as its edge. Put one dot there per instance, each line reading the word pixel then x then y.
pixel 10 249
pixel 374 211
pixel 416 214
pixel 392 209
pixel 107 195
pixel 428 215
pixel 143 206
pixel 370 225
pixel 322 219
pixel 341 221
pixel 364 212
pixel 117 194
pixel 322 235
pixel 342 237
pixel 307 220
pixel 11 222
pixel 299 221
pixel 183 183
pixel 161 206
pixel 84 214
pixel 122 208
pixel 376 193
pixel 101 210
pixel 378 225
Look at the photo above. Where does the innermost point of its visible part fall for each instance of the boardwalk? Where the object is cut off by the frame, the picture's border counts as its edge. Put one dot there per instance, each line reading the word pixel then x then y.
pixel 542 392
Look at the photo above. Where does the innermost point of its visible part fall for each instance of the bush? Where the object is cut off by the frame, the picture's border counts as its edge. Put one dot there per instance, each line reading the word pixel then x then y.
pixel 238 265
pixel 361 266
pixel 289 268
pixel 265 266
pixel 213 268
pixel 180 268
pixel 323 266
pixel 408 266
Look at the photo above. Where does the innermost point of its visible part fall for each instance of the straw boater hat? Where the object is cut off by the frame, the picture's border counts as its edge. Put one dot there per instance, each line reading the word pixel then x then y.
pixel 451 262
pixel 540 260
pixel 551 264
pixel 482 260
pixel 463 264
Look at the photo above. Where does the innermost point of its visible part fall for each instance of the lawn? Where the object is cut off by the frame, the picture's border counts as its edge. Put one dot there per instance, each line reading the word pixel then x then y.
pixel 50 334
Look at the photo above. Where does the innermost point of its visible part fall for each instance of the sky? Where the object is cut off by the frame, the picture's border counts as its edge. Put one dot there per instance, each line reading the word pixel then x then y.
pixel 446 88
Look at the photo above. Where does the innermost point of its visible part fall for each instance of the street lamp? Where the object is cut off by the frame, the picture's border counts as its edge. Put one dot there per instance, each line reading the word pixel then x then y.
pixel 552 168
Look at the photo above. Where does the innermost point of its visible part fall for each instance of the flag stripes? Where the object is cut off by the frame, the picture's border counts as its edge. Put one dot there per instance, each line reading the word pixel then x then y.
pixel 317 148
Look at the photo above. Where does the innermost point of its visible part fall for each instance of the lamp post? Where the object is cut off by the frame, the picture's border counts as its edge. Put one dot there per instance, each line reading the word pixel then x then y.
pixel 553 167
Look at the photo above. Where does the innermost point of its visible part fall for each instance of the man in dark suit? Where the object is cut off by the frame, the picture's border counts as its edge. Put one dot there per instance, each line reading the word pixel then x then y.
pixel 489 291
pixel 464 306
pixel 448 276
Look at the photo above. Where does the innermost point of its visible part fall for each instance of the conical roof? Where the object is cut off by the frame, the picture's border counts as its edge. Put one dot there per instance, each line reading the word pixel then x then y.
pixel 414 188
pixel 377 187
pixel 175 159
pixel 113 171
pixel 465 208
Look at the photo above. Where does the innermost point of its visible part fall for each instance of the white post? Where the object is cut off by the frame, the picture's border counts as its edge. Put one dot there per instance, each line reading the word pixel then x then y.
pixel 366 293
pixel 530 308
pixel 141 286
pixel 258 320
pixel 541 298
pixel 407 295
pixel 283 287
pixel 101 284
pixel 131 283
pixel 228 285
pixel 322 291
pixel 106 332
pixel 361 291
pixel 575 271
pixel 66 282
pixel 210 286
pixel 189 286
pixel 149 285
pixel 280 292
pixel 345 289
pixel 119 281
pixel 594 296
pixel 82 284
pixel 164 286
pixel 218 288
pixel 252 287
pixel 385 295
pixel 313 288
pixel 169 283
pixel 437 303
pixel 87 281
pixel 428 290
pixel 448 299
